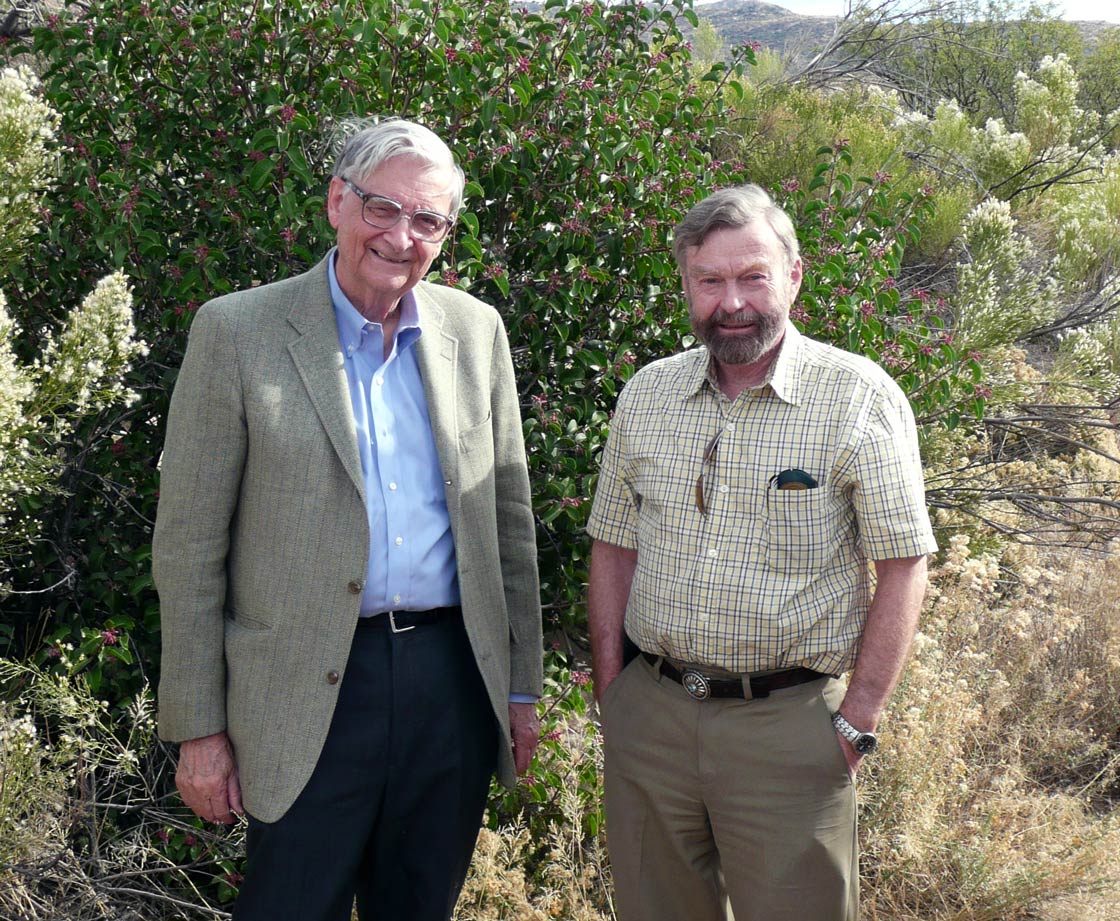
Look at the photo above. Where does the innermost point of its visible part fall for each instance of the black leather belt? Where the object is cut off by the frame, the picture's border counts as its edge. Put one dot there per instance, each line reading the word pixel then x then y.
pixel 701 687
pixel 402 621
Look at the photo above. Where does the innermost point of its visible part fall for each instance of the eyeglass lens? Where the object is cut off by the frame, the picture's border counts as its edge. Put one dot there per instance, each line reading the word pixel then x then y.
pixel 385 213
pixel 709 454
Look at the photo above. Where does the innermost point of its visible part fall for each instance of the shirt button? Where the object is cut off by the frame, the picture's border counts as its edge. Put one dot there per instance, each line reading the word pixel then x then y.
pixel 332 677
pixel 393 487
pixel 713 553
pixel 378 381
pixel 396 599
pixel 723 487
pixel 731 426
pixel 355 587
pixel 398 541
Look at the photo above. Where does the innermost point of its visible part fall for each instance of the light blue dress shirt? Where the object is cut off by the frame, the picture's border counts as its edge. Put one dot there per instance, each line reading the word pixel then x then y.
pixel 412 552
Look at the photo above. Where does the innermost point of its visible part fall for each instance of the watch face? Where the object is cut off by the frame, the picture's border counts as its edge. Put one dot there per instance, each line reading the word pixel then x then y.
pixel 865 743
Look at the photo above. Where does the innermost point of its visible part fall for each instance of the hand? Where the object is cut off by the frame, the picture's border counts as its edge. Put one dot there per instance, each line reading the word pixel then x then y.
pixel 207 778
pixel 525 730
pixel 850 755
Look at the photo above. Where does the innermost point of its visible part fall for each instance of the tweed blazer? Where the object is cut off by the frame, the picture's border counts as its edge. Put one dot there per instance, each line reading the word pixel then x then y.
pixel 261 537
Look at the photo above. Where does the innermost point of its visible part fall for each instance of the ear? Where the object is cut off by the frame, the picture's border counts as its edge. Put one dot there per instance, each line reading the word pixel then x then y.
pixel 795 279
pixel 334 201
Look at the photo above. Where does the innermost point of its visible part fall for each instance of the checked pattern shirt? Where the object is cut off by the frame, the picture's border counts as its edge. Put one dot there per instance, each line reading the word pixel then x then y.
pixel 769 578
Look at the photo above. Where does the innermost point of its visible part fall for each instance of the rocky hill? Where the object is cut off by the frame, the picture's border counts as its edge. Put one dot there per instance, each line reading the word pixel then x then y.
pixel 775 27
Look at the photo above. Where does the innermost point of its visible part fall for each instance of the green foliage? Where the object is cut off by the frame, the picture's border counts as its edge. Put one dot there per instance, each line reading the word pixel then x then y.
pixel 973 54
pixel 198 154
pixel 1100 75
pixel 854 232
pixel 707 44
pixel 786 125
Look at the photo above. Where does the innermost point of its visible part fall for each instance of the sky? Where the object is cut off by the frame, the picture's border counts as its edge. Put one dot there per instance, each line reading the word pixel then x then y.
pixel 1106 10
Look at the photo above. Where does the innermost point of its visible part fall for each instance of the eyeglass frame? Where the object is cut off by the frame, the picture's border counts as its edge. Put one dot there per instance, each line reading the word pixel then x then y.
pixel 367 197
pixel 708 456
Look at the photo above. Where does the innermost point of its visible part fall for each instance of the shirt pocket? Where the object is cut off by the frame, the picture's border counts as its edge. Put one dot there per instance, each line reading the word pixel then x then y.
pixel 802 529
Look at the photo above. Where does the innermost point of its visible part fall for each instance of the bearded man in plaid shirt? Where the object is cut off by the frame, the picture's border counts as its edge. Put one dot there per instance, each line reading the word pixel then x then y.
pixel 744 489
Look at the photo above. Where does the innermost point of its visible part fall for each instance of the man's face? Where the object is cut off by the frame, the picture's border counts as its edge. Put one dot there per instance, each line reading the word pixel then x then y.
pixel 740 288
pixel 376 267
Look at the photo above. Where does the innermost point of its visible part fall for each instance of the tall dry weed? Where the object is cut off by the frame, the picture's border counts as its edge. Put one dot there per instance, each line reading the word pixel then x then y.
pixel 992 793
pixel 564 872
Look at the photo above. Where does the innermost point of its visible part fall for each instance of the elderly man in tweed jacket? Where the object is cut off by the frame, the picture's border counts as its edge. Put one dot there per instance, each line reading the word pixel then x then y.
pixel 345 558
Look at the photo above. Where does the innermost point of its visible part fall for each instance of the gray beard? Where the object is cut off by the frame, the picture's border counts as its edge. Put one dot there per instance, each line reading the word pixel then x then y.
pixel 738 350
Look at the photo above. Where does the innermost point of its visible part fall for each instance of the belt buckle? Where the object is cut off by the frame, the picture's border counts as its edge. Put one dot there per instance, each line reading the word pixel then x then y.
pixel 393 624
pixel 696 685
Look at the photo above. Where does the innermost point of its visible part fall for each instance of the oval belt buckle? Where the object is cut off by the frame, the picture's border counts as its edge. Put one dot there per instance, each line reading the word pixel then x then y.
pixel 696 685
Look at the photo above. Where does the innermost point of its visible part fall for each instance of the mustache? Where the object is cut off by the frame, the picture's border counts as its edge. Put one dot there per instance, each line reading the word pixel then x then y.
pixel 737 316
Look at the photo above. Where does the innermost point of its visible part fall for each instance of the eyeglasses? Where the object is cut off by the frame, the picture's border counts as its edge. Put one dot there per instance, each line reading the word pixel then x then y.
pixel 707 458
pixel 383 213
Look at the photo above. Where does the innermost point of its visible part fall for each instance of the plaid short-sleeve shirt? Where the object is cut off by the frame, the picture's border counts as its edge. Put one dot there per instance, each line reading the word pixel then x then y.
pixel 767 578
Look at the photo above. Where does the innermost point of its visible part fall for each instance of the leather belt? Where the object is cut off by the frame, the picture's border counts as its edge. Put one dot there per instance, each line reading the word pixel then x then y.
pixel 701 687
pixel 403 621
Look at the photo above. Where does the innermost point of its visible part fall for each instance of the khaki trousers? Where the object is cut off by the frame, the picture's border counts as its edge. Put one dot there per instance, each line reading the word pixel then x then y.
pixel 717 801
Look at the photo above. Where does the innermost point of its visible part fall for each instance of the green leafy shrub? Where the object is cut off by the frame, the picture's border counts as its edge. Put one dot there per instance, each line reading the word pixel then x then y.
pixel 197 157
pixel 854 232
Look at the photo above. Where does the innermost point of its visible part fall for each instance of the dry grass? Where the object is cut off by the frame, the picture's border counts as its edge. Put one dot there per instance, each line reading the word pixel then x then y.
pixel 994 798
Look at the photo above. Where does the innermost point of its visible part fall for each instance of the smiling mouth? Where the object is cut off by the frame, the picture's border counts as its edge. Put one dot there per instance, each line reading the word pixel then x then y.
pixel 395 260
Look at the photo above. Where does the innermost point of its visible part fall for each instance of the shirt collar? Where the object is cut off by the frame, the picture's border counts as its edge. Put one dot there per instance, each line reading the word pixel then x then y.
pixel 784 377
pixel 786 372
pixel 352 325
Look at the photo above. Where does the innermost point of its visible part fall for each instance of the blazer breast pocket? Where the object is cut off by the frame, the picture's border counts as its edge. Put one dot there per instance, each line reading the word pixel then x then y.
pixel 476 452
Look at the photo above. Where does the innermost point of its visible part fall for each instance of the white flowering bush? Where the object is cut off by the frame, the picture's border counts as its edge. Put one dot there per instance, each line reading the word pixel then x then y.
pixel 80 368
pixel 1047 109
pixel 71 766
pixel 1088 357
pixel 999 154
pixel 27 127
pixel 1002 290
pixel 1083 221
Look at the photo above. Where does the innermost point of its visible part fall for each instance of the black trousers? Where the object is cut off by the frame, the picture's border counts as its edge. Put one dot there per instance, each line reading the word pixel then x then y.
pixel 392 810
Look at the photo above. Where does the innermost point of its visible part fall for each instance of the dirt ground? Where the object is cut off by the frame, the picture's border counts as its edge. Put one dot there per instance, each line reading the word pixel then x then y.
pixel 1101 904
pixel 1088 907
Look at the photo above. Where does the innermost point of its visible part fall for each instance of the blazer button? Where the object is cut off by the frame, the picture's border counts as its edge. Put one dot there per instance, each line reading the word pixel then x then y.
pixel 332 677
pixel 355 587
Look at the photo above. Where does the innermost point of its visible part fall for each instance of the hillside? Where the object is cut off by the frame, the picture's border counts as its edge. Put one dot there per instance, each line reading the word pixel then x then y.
pixel 775 27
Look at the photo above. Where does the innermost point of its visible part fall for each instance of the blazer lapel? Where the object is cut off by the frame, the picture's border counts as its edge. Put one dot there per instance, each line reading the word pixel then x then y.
pixel 436 354
pixel 318 359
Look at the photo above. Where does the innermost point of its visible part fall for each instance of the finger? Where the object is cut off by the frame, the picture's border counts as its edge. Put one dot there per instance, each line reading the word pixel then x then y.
pixel 234 794
pixel 524 747
pixel 204 799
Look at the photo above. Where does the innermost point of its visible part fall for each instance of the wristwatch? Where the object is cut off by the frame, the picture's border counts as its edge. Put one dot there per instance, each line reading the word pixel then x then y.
pixel 863 742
